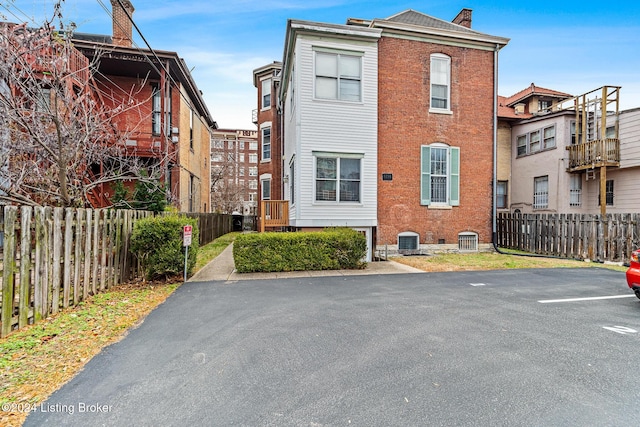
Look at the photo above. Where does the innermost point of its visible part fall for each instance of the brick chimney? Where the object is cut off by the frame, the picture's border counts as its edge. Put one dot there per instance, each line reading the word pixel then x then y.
pixel 122 25
pixel 463 18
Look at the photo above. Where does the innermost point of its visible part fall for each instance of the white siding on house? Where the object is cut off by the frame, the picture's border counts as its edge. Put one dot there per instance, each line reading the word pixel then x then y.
pixel 629 135
pixel 336 127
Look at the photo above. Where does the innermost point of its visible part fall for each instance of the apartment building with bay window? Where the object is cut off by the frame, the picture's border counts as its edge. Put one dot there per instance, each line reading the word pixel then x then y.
pixel 388 128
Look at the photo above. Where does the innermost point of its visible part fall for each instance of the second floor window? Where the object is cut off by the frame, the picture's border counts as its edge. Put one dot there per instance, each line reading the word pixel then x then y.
pixel 537 140
pixel 440 77
pixel 338 76
pixel 156 110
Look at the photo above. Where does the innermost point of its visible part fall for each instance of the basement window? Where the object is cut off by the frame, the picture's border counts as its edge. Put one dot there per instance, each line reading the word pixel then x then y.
pixel 468 242
pixel 408 242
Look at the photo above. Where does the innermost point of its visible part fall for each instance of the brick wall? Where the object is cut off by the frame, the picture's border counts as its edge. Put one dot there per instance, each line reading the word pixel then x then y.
pixel 405 124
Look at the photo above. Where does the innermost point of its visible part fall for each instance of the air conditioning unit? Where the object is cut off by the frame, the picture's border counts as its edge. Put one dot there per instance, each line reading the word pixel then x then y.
pixel 175 139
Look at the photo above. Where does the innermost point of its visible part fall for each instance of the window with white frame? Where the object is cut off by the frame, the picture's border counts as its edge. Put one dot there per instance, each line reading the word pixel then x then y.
pixel 468 242
pixel 253 184
pixel 241 171
pixel 218 143
pixel 337 177
pixel 610 132
pixel 253 158
pixel 541 192
pixel 537 140
pixel 253 171
pixel 240 157
pixel 241 145
pixel 440 175
pixel 216 157
pixel 230 144
pixel 266 94
pixel 549 137
pixel 575 190
pixel 266 188
pixel 534 141
pixel 440 79
pixel 253 197
pixel 338 76
pixel 501 194
pixel 253 146
pixel 266 143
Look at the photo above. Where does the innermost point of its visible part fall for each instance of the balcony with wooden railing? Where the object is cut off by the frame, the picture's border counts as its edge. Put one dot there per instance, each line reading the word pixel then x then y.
pixel 274 214
pixel 594 154
pixel 67 61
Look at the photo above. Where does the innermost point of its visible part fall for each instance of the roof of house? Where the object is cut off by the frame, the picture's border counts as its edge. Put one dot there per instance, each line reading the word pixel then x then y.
pixel 506 112
pixel 413 17
pixel 535 90
pixel 417 22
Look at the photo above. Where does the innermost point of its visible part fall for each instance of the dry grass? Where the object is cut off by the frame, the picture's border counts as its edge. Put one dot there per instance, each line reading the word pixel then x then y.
pixel 492 261
pixel 39 359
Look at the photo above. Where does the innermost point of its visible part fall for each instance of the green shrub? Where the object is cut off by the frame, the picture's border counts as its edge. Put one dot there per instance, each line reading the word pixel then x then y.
pixel 157 242
pixel 332 249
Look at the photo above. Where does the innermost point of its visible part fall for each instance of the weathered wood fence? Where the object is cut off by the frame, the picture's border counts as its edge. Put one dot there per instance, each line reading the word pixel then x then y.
pixel 53 258
pixel 582 236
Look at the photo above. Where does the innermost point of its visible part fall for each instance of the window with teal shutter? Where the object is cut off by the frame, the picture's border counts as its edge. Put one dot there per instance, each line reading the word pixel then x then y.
pixel 425 176
pixel 454 186
pixel 439 175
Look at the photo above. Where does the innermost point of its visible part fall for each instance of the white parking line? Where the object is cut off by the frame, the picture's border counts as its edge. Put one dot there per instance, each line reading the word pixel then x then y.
pixel 584 299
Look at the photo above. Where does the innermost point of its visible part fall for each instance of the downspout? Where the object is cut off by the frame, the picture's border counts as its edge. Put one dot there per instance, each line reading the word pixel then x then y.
pixel 494 233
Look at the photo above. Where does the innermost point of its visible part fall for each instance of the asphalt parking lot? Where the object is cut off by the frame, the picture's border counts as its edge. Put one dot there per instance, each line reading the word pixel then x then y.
pixel 511 348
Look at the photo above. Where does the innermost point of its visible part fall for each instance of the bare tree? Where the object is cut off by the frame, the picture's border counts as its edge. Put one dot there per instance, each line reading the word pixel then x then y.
pixel 227 195
pixel 58 141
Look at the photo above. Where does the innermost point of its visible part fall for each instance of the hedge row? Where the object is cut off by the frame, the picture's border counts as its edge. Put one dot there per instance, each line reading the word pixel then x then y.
pixel 158 244
pixel 332 249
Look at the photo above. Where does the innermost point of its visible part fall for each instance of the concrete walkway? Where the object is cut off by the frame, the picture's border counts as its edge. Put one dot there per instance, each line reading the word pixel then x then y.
pixel 222 268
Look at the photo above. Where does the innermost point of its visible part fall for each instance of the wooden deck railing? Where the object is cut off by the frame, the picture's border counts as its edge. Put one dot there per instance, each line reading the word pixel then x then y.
pixel 593 154
pixel 274 213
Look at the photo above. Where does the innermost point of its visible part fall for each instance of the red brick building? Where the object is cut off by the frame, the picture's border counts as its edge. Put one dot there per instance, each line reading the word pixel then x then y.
pixel 410 100
pixel 454 127
pixel 170 126
pixel 267 118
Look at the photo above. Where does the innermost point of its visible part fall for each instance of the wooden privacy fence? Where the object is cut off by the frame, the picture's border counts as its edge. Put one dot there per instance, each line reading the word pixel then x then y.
pixel 582 236
pixel 53 258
